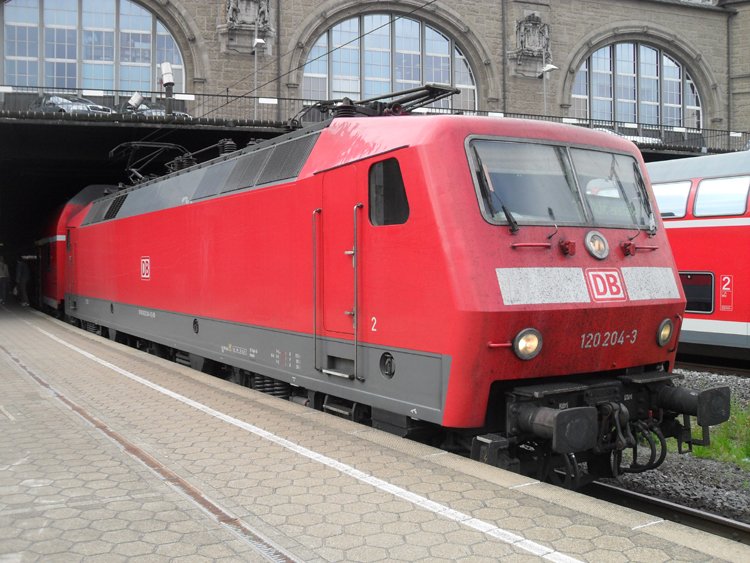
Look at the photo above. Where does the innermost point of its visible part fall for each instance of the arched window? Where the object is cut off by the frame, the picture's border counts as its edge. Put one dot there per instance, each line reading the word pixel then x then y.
pixel 102 44
pixel 636 83
pixel 376 54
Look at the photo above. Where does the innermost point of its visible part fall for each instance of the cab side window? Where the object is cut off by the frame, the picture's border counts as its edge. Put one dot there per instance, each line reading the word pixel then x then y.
pixel 388 203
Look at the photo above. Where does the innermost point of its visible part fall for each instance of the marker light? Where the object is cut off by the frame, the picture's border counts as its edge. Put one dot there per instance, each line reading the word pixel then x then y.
pixel 527 343
pixel 664 335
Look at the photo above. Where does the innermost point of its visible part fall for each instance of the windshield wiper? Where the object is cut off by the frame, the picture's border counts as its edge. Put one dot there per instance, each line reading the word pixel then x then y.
pixel 646 201
pixel 485 184
pixel 631 206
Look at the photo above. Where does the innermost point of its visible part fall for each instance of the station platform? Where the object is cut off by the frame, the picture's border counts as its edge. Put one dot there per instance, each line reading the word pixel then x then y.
pixel 109 454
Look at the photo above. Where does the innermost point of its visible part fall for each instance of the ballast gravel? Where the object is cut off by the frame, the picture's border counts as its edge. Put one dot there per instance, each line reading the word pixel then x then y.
pixel 720 488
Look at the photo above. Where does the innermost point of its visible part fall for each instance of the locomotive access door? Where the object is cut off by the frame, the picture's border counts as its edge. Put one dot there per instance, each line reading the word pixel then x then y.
pixel 342 214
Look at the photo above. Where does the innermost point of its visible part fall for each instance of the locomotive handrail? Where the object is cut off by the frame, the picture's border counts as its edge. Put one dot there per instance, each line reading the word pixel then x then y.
pixel 531 245
pixel 630 248
pixel 315 215
pixel 676 335
pixel 355 310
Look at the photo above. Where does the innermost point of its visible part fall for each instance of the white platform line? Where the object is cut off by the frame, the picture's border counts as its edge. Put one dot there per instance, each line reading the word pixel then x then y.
pixel 440 509
pixel 660 521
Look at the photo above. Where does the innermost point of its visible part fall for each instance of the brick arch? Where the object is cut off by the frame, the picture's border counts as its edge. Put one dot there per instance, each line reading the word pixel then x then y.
pixel 673 45
pixel 187 35
pixel 328 14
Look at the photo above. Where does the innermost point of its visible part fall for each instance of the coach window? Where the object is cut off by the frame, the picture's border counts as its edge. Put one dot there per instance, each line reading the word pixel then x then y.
pixel 699 292
pixel 722 196
pixel 388 203
pixel 672 198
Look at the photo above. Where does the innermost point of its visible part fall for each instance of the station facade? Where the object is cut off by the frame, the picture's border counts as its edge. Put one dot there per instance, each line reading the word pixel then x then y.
pixel 681 63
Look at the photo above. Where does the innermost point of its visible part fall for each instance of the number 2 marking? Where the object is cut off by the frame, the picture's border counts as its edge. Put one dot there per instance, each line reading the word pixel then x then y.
pixel 374 324
pixel 726 283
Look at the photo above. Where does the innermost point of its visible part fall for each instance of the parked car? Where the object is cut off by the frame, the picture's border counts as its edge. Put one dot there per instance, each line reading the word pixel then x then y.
pixel 136 105
pixel 59 103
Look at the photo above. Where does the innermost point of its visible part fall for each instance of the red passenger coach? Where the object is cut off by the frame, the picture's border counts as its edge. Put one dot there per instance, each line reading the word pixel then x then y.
pixel 51 249
pixel 704 203
pixel 500 286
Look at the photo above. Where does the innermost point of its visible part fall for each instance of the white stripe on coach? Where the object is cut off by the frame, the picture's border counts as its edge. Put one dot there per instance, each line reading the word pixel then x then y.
pixel 699 223
pixel 48 240
pixel 718 327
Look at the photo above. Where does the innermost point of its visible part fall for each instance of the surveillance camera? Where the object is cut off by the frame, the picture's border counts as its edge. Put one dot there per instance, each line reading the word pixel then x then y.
pixel 167 78
pixel 258 42
pixel 135 100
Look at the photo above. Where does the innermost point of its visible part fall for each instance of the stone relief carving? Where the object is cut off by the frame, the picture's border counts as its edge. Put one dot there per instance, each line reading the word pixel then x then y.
pixel 241 22
pixel 243 12
pixel 532 39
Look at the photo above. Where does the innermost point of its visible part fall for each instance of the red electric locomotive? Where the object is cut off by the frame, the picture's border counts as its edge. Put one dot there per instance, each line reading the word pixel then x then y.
pixel 500 285
pixel 704 204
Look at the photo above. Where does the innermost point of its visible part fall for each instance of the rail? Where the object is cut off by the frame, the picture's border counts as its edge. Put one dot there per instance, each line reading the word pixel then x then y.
pixel 717 366
pixel 239 109
pixel 691 517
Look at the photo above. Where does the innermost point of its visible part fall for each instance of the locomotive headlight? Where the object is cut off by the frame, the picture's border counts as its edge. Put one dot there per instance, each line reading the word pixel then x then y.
pixel 664 335
pixel 527 343
pixel 597 245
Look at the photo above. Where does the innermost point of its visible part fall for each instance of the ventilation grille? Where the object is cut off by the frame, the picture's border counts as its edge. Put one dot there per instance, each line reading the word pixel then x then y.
pixel 97 211
pixel 246 171
pixel 213 180
pixel 287 160
pixel 266 165
pixel 115 207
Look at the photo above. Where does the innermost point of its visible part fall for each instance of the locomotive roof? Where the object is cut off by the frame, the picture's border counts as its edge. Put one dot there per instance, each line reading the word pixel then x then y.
pixel 324 146
pixel 729 164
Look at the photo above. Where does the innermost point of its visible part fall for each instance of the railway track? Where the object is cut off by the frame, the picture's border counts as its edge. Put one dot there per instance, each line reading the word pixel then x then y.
pixel 691 517
pixel 696 363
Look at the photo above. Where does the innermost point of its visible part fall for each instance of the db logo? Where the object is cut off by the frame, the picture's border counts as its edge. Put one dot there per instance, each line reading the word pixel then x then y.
pixel 145 268
pixel 605 285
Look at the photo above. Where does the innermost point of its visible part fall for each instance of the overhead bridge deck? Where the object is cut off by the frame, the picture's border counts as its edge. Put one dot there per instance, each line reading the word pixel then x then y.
pixel 107 453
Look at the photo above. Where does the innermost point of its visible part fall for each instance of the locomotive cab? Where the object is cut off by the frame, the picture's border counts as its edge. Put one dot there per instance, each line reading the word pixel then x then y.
pixel 581 244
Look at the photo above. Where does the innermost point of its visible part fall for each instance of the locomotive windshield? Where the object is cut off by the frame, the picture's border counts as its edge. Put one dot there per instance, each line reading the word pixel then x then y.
pixel 525 183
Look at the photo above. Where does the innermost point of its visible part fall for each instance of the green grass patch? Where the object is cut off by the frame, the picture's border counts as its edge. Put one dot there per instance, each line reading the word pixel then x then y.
pixel 730 442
